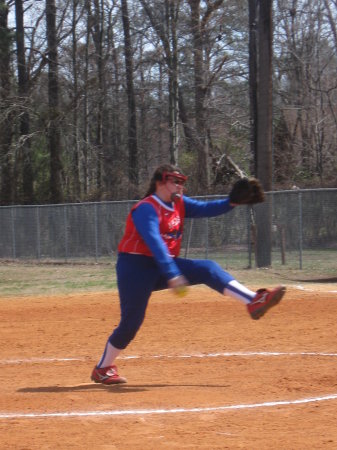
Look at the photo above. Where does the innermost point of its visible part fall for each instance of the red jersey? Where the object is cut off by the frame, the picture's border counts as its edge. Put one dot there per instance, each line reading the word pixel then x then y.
pixel 171 221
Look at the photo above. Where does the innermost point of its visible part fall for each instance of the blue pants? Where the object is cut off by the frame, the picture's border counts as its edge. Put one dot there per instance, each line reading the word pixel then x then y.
pixel 138 276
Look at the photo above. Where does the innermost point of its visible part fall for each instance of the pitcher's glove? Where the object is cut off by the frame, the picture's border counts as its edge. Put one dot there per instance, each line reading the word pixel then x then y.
pixel 246 191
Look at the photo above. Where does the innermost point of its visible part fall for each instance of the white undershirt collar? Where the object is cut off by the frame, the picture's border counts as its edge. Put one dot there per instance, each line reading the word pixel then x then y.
pixel 168 206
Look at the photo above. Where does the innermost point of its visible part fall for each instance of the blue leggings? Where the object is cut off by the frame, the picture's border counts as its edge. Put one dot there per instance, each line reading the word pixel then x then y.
pixel 138 276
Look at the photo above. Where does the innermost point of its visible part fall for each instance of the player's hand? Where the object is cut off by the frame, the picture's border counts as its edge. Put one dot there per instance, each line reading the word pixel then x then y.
pixel 178 285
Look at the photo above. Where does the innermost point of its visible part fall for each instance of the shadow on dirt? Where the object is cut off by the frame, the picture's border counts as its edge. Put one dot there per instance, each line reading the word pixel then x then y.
pixel 116 388
pixel 317 280
pixel 310 280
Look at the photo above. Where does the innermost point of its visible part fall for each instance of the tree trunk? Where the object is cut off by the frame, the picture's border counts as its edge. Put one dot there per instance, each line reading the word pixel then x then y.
pixel 97 33
pixel 264 131
pixel 132 117
pixel 112 172
pixel 75 174
pixel 203 175
pixel 173 82
pixel 6 194
pixel 252 62
pixel 86 134
pixel 54 134
pixel 191 141
pixel 23 90
pixel 264 125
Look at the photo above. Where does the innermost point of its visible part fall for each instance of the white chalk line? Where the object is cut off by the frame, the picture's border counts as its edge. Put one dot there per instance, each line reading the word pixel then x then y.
pixel 37 360
pixel 75 414
pixel 142 412
pixel 302 288
pixel 192 355
pixel 230 354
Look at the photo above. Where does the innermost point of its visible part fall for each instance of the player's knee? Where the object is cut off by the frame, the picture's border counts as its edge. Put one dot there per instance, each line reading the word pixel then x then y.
pixel 125 333
pixel 211 268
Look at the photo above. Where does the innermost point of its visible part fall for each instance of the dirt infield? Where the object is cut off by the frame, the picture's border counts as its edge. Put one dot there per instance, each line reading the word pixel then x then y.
pixel 202 374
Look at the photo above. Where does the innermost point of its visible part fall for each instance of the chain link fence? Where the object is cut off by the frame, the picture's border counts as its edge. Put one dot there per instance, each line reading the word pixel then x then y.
pixel 304 231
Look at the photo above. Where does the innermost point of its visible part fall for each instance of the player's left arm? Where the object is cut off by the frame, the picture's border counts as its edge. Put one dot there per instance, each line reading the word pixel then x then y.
pixel 210 208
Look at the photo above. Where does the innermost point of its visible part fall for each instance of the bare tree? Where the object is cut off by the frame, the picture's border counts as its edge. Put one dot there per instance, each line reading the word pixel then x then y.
pixel 203 174
pixel 132 116
pixel 306 88
pixel 6 112
pixel 264 168
pixel 54 132
pixel 127 87
pixel 23 91
pixel 252 65
pixel 97 32
pixel 165 25
pixel 75 164
pixel 260 65
pixel 201 88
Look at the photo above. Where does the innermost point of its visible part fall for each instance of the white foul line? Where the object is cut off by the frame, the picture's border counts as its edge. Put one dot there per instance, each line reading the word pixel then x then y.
pixel 231 354
pixel 37 360
pixel 192 355
pixel 163 411
pixel 302 288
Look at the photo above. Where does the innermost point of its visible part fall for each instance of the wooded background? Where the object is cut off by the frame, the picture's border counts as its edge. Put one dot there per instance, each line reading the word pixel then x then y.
pixel 95 94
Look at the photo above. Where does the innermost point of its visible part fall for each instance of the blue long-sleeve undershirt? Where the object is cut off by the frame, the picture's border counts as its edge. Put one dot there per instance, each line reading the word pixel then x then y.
pixel 147 224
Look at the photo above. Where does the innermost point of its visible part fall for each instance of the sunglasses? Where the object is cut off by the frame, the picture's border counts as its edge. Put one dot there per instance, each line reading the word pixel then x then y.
pixel 174 177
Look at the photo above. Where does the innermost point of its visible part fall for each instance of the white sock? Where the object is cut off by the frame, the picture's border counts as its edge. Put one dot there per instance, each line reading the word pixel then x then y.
pixel 109 356
pixel 237 290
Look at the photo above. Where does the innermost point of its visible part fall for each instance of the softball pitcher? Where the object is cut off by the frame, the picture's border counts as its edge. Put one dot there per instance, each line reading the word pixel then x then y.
pixel 148 260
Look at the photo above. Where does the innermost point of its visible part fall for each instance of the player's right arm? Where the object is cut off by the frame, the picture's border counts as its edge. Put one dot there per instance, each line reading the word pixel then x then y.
pixel 146 222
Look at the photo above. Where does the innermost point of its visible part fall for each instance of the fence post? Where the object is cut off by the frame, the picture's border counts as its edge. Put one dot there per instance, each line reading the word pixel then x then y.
pixel 189 238
pixel 13 233
pixel 96 233
pixel 38 233
pixel 249 236
pixel 65 231
pixel 207 243
pixel 300 224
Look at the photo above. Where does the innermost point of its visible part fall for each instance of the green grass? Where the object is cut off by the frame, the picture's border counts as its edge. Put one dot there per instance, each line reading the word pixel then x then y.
pixel 23 278
pixel 315 263
pixel 38 279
